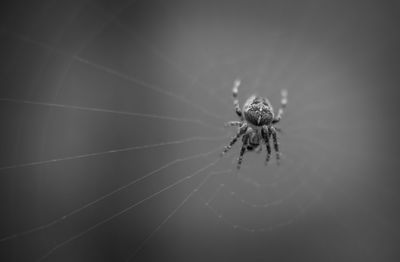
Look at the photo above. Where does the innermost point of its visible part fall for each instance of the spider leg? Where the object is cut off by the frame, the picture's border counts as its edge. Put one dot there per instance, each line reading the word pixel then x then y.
pixel 283 106
pixel 265 134
pixel 235 91
pixel 242 150
pixel 240 132
pixel 234 123
pixel 276 144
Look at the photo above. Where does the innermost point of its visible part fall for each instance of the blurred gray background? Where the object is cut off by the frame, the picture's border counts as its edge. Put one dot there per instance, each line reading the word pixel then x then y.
pixel 89 90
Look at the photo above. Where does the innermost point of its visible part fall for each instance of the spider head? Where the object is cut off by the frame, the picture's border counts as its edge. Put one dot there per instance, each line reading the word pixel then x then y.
pixel 258 111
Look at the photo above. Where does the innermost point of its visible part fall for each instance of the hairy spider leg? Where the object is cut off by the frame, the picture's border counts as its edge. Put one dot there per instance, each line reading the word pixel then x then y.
pixel 234 123
pixel 242 150
pixel 235 91
pixel 239 133
pixel 276 144
pixel 278 117
pixel 265 134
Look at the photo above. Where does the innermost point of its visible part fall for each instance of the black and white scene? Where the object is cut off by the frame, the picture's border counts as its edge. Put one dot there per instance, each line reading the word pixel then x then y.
pixel 193 131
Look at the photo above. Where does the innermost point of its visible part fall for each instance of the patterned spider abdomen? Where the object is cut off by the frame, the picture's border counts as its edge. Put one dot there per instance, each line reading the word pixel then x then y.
pixel 258 111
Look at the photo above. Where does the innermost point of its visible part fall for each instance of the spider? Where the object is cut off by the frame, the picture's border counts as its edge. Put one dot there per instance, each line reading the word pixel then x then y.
pixel 256 124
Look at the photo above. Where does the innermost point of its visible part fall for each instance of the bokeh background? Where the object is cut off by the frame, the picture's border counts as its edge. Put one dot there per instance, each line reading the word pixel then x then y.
pixel 107 106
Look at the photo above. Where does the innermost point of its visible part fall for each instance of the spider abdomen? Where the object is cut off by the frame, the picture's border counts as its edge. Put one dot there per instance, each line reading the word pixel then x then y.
pixel 258 111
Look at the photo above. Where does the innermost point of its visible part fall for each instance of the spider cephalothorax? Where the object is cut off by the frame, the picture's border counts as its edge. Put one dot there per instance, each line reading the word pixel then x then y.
pixel 256 124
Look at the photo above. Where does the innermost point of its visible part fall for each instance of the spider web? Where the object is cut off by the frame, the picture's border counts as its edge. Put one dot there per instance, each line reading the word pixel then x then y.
pixel 112 123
